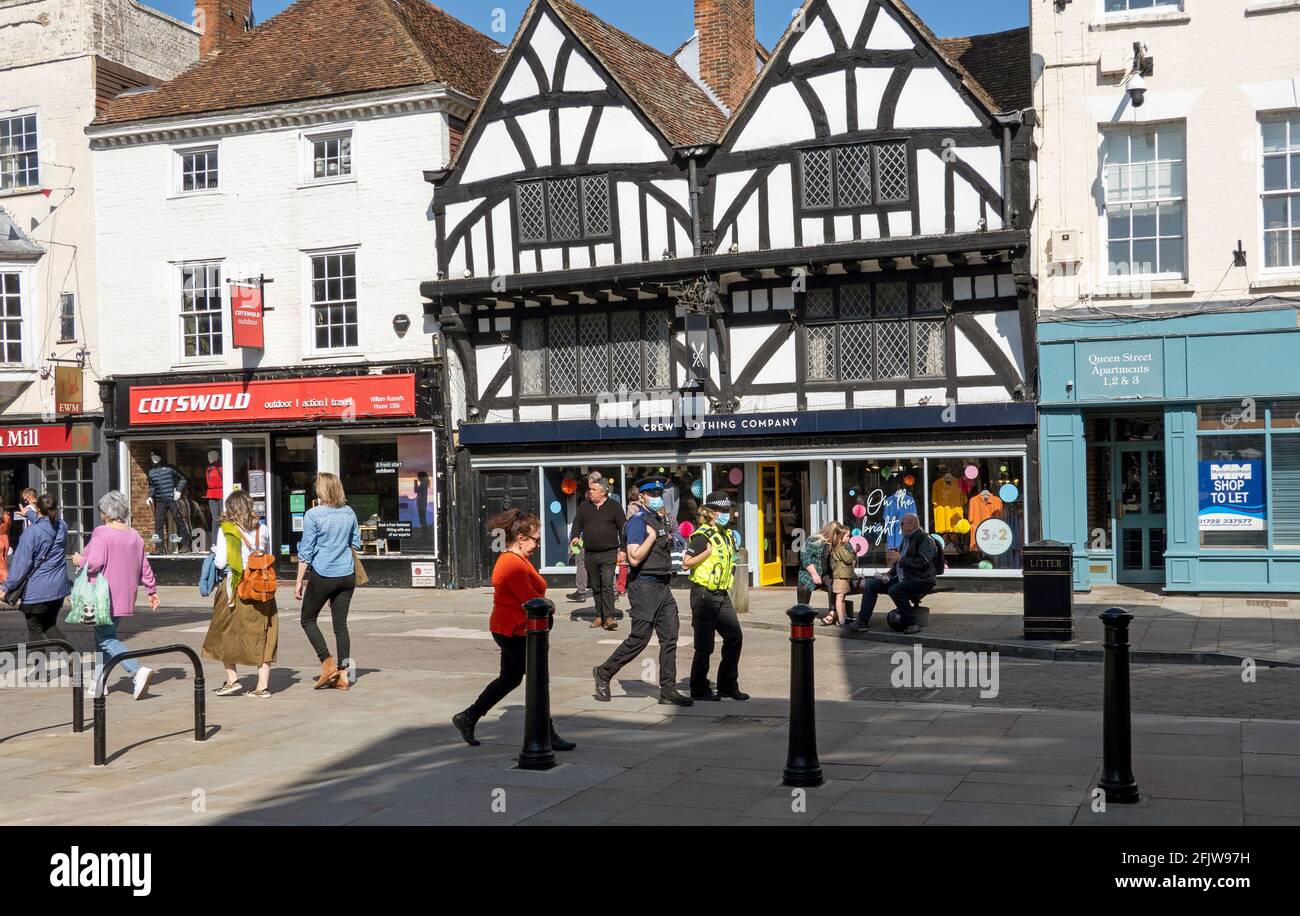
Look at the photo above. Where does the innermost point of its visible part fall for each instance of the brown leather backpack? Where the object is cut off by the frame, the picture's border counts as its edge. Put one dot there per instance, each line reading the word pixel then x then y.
pixel 258 582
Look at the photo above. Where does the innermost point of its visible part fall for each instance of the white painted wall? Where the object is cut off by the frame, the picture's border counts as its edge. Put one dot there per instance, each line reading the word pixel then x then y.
pixel 1217 66
pixel 263 221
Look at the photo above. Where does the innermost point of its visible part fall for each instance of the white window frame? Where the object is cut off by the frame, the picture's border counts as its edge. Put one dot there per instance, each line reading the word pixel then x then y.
pixel 25 279
pixel 178 315
pixel 1104 223
pixel 1293 148
pixel 307 160
pixel 1159 9
pixel 308 305
pixel 178 169
pixel 26 113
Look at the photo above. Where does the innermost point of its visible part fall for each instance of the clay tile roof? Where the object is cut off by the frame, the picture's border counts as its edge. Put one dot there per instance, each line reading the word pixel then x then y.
pixel 1000 62
pixel 323 48
pixel 664 91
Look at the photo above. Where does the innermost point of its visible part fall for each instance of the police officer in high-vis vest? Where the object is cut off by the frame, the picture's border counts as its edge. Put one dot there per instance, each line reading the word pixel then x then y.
pixel 649 590
pixel 711 558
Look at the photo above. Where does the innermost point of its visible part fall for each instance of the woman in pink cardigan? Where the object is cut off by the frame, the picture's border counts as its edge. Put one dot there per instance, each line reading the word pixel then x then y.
pixel 117 553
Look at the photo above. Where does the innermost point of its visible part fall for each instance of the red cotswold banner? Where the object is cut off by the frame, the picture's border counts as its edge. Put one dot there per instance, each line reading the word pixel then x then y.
pixel 340 398
pixel 246 316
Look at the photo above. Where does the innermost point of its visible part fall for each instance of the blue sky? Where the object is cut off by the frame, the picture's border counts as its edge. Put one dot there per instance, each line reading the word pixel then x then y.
pixel 667 23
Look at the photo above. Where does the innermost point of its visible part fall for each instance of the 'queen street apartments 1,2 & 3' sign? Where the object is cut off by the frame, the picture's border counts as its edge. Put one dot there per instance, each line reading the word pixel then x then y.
pixel 332 398
pixel 1114 370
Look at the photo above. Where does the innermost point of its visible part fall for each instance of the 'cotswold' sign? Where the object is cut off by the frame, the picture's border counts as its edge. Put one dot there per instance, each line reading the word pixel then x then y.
pixel 1117 370
pixel 339 397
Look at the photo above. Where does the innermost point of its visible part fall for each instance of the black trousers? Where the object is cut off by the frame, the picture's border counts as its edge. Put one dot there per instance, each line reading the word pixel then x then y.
pixel 654 611
pixel 161 510
pixel 601 567
pixel 337 590
pixel 902 593
pixel 514 656
pixel 804 596
pixel 711 614
pixel 43 620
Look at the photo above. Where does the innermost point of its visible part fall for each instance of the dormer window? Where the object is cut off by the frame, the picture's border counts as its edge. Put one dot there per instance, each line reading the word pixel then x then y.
pixel 856 176
pixel 557 211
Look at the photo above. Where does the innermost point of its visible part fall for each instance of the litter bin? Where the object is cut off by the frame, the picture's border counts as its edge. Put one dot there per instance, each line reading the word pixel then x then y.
pixel 1049 590
pixel 740 587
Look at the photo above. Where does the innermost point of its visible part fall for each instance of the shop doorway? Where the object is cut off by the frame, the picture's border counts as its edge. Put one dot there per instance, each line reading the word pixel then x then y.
pixel 295 476
pixel 1140 519
pixel 783 520
pixel 498 491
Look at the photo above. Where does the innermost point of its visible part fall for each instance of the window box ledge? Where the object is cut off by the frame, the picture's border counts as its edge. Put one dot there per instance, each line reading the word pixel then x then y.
pixel 19 192
pixel 1138 288
pixel 343 356
pixel 1271 6
pixel 327 183
pixel 189 195
pixel 1277 281
pixel 1141 18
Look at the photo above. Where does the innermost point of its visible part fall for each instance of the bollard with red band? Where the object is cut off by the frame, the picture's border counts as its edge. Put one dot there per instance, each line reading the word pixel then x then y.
pixel 537 753
pixel 1117 729
pixel 802 768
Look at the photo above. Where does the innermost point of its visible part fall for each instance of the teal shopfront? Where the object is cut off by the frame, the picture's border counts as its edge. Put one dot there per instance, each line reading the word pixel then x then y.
pixel 1170 449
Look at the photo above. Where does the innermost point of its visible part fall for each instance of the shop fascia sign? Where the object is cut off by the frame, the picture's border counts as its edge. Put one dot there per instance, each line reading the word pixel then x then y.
pixel 45 440
pixel 1120 370
pixel 343 398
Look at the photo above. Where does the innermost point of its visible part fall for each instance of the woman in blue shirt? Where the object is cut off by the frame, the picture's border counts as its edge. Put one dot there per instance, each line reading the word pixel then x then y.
pixel 40 560
pixel 327 573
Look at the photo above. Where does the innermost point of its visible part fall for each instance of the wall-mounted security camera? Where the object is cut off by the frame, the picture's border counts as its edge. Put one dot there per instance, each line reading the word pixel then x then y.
pixel 1137 90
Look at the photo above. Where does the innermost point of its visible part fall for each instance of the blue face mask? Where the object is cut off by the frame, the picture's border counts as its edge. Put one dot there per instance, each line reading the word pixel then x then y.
pixel 724 519
pixel 655 503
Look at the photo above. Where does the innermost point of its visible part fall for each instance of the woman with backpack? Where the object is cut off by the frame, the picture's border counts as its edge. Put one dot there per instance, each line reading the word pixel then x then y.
pixel 117 552
pixel 245 628
pixel 39 572
pixel 327 572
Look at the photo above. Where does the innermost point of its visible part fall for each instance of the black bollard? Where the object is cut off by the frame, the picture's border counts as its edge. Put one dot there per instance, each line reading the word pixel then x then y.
pixel 1117 730
pixel 101 729
pixel 802 769
pixel 200 707
pixel 537 753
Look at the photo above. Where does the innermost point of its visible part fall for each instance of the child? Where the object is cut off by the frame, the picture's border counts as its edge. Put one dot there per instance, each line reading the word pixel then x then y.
pixel 843 561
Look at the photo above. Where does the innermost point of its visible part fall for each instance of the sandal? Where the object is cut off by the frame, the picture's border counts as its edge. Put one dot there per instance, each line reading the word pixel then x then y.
pixel 260 694
pixel 829 620
pixel 229 690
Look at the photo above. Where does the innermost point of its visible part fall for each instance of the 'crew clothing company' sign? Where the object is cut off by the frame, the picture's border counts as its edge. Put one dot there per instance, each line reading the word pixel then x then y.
pixel 339 398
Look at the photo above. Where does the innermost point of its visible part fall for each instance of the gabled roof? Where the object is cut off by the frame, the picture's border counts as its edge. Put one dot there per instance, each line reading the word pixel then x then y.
pixel 1000 61
pixel 14 243
pixel 946 55
pixel 323 48
pixel 666 94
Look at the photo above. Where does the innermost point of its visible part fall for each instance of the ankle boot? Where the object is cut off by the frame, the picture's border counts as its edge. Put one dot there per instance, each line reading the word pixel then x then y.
pixel 342 683
pixel 558 743
pixel 329 673
pixel 465 722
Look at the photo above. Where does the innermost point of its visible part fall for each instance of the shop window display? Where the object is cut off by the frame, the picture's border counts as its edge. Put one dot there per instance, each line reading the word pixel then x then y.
pixel 390 485
pixel 70 479
pixel 877 494
pixel 564 489
pixel 683 496
pixel 977 509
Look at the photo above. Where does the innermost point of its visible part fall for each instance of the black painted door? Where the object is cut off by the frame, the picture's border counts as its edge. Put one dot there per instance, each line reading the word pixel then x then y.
pixel 498 491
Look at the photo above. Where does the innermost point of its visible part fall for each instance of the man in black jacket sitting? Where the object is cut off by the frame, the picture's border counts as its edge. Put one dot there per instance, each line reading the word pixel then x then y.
pixel 911 576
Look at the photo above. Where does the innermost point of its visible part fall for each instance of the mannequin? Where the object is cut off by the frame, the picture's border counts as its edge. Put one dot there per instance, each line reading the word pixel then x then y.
pixel 215 493
pixel 166 484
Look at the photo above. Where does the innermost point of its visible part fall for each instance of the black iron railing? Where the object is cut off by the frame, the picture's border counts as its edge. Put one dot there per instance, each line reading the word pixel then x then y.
pixel 74 671
pixel 101 699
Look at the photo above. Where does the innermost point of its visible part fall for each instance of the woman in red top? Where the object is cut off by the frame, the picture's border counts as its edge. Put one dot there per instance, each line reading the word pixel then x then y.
pixel 514 581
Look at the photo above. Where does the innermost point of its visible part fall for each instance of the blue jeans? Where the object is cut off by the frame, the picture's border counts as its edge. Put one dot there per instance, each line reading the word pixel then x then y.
pixel 110 647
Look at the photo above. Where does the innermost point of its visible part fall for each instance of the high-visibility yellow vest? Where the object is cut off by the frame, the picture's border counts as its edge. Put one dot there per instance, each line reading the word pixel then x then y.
pixel 718 570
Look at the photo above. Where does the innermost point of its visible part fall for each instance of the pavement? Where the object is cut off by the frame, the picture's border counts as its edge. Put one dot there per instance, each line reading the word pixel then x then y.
pixel 1212 744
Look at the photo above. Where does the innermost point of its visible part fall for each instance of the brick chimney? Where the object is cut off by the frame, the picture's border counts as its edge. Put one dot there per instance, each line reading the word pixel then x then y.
pixel 727 54
pixel 219 21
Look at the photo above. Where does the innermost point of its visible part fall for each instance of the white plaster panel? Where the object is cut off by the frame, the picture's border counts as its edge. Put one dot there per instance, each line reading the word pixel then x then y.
pixel 656 229
pixel 629 209
pixel 848 15
pixel 969 360
pixel 575 411
pixel 604 255
pixel 930 171
pixel 915 397
pixel 536 128
pixel 874 399
pixel 534 412
pixel 782 298
pixel 781 118
pixel 685 244
pixel 814 43
pixel 832 90
pixel 552 259
pixel 887 34
pixel 843 228
pixel 814 232
pixel 547 41
pixel 747 225
pixel 985 160
pixel 728 185
pixel 487 362
pixel 983 394
pixel 872 82
pixel 500 416
pixel 620 137
pixel 929 100
pixel 494 154
pixel 769 403
pixel 478 235
pixel 826 400
pixel 522 85
pixel 580 77
pixel 1004 328
pixel 579 257
pixel 900 223
pixel 678 189
pixel 573 124
pixel 780 209
pixel 986 286
pixel 965 205
pixel 503 233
